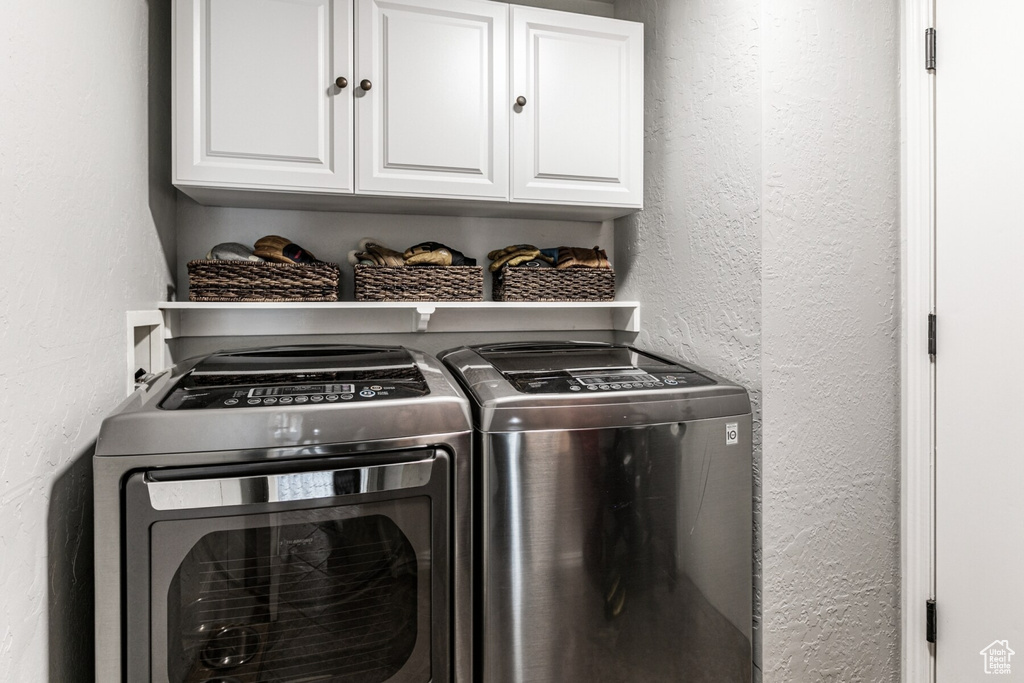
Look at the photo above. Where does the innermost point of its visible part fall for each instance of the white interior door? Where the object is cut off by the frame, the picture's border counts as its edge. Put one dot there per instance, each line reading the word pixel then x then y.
pixel 434 121
pixel 577 137
pixel 256 100
pixel 980 364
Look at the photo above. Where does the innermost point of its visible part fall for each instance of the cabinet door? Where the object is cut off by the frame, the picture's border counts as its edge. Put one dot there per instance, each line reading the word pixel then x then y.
pixel 255 99
pixel 435 119
pixel 579 136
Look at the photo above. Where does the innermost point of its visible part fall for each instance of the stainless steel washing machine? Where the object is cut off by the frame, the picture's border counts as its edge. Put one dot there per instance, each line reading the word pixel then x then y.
pixel 613 503
pixel 286 514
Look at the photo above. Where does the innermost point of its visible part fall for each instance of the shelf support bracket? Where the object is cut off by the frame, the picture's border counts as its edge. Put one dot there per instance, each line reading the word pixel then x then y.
pixel 422 317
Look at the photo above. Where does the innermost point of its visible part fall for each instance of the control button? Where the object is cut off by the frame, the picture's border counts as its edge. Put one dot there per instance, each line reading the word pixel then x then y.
pixel 616 386
pixel 592 387
pixel 366 393
pixel 659 384
pixel 376 387
pixel 346 397
pixel 301 399
pixel 671 382
pixel 648 384
pixel 316 399
pixel 604 387
pixel 670 377
pixel 253 401
pixel 287 399
pixel 574 388
pixel 332 397
pixel 269 401
pixel 231 401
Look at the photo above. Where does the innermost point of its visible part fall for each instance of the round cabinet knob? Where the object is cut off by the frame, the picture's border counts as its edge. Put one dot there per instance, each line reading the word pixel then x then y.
pixel 341 82
pixel 365 84
pixel 521 101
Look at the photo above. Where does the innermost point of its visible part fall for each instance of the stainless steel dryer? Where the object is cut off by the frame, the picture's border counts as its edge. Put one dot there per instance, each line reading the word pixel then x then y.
pixel 613 499
pixel 286 514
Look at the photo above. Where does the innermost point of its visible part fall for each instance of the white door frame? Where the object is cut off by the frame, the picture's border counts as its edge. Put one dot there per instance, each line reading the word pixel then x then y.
pixel 917 258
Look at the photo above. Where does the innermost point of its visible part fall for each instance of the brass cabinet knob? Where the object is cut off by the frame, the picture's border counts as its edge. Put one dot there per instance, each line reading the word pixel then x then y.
pixel 341 82
pixel 521 101
pixel 365 84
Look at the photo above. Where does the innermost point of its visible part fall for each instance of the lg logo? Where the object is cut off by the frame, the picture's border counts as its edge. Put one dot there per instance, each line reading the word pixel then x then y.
pixel 732 433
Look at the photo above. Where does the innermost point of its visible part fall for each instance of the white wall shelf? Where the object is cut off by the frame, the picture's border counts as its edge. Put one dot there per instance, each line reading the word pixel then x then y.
pixel 195 319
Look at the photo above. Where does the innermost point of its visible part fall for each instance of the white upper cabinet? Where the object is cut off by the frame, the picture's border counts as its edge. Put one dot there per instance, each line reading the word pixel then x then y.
pixel 578 134
pixel 256 100
pixel 434 121
pixel 378 105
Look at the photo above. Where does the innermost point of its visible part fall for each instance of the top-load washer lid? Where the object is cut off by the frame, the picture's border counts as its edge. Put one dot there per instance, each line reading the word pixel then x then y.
pixel 577 385
pixel 297 375
pixel 565 368
pixel 287 396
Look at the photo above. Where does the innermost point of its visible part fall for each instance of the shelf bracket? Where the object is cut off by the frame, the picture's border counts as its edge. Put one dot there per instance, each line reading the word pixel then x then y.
pixel 626 319
pixel 422 317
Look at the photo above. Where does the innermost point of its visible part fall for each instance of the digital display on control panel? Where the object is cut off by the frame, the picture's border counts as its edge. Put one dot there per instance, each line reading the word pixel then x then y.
pixel 297 389
pixel 608 379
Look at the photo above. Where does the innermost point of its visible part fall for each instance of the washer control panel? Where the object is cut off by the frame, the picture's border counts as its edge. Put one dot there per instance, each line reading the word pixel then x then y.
pixel 220 392
pixel 581 382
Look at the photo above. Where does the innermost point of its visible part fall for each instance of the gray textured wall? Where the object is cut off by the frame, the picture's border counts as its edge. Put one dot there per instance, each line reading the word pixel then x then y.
pixel 831 340
pixel 87 215
pixel 768 252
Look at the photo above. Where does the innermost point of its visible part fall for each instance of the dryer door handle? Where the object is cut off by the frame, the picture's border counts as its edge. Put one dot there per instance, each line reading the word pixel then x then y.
pixel 285 487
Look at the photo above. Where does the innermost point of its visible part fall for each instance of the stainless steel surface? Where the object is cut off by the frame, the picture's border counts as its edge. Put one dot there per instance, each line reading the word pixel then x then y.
pixel 188 494
pixel 614 532
pixel 139 426
pixel 617 554
pixel 138 437
pixel 498 406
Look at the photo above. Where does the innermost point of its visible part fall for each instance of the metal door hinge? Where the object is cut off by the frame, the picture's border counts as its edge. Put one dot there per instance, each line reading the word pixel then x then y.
pixel 932 323
pixel 929 49
pixel 930 626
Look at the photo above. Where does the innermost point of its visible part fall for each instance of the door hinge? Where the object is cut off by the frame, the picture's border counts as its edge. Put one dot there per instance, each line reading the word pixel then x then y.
pixel 930 625
pixel 931 335
pixel 929 49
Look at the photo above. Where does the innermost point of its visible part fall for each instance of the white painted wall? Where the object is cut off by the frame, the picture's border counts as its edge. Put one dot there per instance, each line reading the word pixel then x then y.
pixel 87 218
pixel 831 340
pixel 768 252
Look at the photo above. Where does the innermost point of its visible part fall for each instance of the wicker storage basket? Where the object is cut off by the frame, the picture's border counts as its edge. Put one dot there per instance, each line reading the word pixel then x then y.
pixel 254 281
pixel 419 283
pixel 551 284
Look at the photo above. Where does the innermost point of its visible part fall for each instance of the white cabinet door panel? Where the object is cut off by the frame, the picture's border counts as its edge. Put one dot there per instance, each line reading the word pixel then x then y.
pixel 435 120
pixel 255 99
pixel 579 137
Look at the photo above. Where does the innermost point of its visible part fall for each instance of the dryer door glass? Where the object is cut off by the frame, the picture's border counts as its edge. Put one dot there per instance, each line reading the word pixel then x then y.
pixel 299 596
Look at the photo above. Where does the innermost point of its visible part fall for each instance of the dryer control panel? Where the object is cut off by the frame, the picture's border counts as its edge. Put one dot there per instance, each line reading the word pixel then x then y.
pixel 209 391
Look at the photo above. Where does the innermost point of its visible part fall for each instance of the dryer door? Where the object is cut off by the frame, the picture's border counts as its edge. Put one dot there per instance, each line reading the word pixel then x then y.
pixel 318 572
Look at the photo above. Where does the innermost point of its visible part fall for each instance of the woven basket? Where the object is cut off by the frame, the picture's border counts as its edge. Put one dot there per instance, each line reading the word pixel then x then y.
pixel 254 281
pixel 419 283
pixel 551 284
